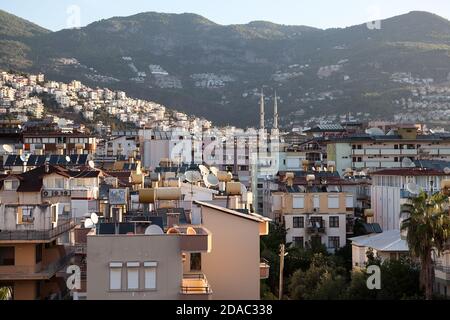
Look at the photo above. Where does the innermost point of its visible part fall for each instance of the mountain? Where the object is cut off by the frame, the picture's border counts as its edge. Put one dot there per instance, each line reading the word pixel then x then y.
pixel 192 64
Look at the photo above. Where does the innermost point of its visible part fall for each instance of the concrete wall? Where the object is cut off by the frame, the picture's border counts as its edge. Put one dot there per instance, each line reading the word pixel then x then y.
pixel 232 266
pixel 162 249
pixel 42 219
pixel 386 205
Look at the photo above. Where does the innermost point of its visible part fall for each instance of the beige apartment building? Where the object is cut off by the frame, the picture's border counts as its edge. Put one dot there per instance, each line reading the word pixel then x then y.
pixel 139 266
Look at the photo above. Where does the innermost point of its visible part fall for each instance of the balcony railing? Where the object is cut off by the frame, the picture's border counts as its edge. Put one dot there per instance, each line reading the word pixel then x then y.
pixel 442 268
pixel 37 271
pixel 195 283
pixel 316 227
pixel 33 235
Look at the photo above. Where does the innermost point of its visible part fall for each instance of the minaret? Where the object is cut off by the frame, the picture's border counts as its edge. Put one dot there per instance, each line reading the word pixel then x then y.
pixel 262 116
pixel 275 112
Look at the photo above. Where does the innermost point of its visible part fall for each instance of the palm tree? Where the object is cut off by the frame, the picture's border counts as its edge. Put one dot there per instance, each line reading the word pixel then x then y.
pixel 428 230
pixel 5 293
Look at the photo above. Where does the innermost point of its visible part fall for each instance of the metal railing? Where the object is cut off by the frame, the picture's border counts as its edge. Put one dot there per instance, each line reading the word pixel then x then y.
pixel 43 271
pixel 194 289
pixel 440 267
pixel 30 235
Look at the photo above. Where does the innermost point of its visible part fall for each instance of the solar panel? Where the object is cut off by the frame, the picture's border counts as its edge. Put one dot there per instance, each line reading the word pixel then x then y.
pixel 125 228
pixel 62 160
pixel 18 161
pixel 74 159
pixel 54 159
pixel 82 159
pixel 107 228
pixel 32 160
pixel 40 160
pixel 10 160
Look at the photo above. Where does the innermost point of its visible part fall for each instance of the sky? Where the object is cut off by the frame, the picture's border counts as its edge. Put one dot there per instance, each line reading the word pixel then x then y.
pixel 60 14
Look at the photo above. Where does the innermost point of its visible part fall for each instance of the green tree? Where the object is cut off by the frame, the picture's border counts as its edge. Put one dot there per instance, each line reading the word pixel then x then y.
pixel 428 228
pixel 323 280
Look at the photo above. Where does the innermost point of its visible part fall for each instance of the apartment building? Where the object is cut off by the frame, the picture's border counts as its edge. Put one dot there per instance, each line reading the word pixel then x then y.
pixel 32 248
pixel 313 210
pixel 376 150
pixel 73 192
pixel 150 267
pixel 42 138
pixel 389 190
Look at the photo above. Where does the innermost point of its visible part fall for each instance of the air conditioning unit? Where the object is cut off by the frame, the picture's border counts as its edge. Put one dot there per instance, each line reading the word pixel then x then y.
pixel 45 194
pixel 66 193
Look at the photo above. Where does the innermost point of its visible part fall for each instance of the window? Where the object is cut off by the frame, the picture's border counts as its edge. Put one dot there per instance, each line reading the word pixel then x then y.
pixel 38 253
pixel 298 222
pixel 54 214
pixel 334 222
pixel 298 203
pixel 395 159
pixel 316 202
pixel 115 276
pixel 333 202
pixel 11 185
pixel 298 242
pixel 133 275
pixel 59 183
pixel 196 261
pixel 150 275
pixel 333 242
pixel 7 256
pixel 349 201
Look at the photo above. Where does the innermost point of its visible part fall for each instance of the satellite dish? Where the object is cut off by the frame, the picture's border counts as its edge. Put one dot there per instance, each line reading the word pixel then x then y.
pixel 191 231
pixel 203 170
pixel 68 159
pixel 182 177
pixel 447 170
pixel 89 224
pixel 23 157
pixel 214 170
pixel 325 169
pixel 94 218
pixel 412 188
pixel 154 230
pixel 211 180
pixel 193 176
pixel 91 164
pixel 313 168
pixel 407 163
pixel 8 148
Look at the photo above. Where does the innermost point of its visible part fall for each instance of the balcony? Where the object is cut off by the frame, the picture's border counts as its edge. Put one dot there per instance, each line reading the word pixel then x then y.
pixel 316 226
pixel 195 286
pixel 264 269
pixel 442 272
pixel 35 272
pixel 37 235
pixel 194 239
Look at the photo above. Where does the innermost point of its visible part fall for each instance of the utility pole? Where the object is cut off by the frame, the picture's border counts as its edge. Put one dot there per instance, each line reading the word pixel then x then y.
pixel 282 255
